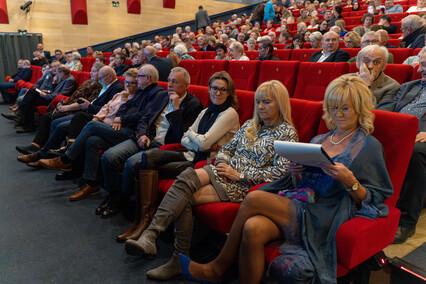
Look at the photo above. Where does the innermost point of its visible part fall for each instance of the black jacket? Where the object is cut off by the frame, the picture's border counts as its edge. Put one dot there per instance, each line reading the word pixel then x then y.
pixel 163 66
pixel 337 56
pixel 106 96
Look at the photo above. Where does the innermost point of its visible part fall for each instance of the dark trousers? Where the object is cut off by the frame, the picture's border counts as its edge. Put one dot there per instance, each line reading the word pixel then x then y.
pixel 168 163
pixel 413 190
pixel 78 122
pixel 43 131
pixel 31 100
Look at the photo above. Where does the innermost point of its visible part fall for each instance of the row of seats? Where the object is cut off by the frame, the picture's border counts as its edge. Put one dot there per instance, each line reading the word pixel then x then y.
pixel 357 239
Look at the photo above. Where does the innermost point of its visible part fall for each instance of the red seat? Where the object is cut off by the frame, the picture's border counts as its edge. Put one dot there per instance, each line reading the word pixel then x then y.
pixel 416 75
pixel 245 74
pixel 84 76
pixel 302 54
pixel 121 78
pixel 416 51
pixel 282 54
pixel 128 62
pixel 164 85
pixel 246 105
pixel 163 54
pixel 87 63
pixel 395 42
pixel 400 72
pixel 313 78
pixel 209 67
pixel 352 51
pixel 37 74
pixel 306 116
pixel 209 54
pixel 196 54
pixel 193 67
pixel 397 17
pixel 76 75
pixel 252 55
pixel 201 92
pixel 400 54
pixel 283 71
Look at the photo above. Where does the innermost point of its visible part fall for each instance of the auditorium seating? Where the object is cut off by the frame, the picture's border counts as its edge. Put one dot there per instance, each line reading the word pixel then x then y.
pixel 193 67
pixel 283 71
pixel 400 54
pixel 245 74
pixel 302 54
pixel 209 67
pixel 401 73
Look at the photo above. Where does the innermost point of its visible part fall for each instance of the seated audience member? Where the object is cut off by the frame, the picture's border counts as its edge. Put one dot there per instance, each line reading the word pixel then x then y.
pixel 306 36
pixel 413 31
pixel 421 6
pixel 137 60
pixel 322 27
pixel 120 66
pixel 352 40
pixel 112 63
pixel 385 23
pixel 164 122
pixel 60 56
pixel 89 90
pixel 315 39
pixel 341 24
pixel 301 28
pixel 163 65
pixel 284 37
pixel 337 10
pixel 188 45
pixel 182 52
pixel 70 62
pixel 38 59
pixel 158 47
pixel 89 52
pixel 410 100
pixel 383 37
pixel 331 51
pixel 64 84
pixel 214 127
pixel 204 44
pixel 296 43
pixel 266 51
pixel 174 58
pixel 314 23
pixel 272 36
pixel 248 159
pixel 359 30
pixel 371 61
pixel 24 72
pixel 44 53
pixel 221 51
pixel 308 227
pixel 77 66
pixel 367 20
pixel 269 26
pixel 371 38
pixel 236 51
pixel 391 8
pixel 337 30
pixel 251 44
pixel 241 38
pixel 303 16
pixel 414 60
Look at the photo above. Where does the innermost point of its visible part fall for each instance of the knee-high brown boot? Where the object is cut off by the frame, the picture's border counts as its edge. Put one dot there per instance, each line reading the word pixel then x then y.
pixel 147 189
pixel 123 237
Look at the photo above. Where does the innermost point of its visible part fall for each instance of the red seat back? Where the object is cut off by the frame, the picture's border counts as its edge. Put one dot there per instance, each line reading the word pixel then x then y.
pixel 193 67
pixel 87 63
pixel 246 105
pixel 252 55
pixel 302 54
pixel 352 51
pixel 416 51
pixel 84 76
pixel 209 67
pixel 306 116
pixel 163 54
pixel 283 71
pixel 128 61
pixel 201 92
pixel 245 74
pixel 313 78
pixel 209 54
pixel 76 75
pixel 196 54
pixel 121 78
pixel 282 54
pixel 400 54
pixel 37 74
pixel 416 75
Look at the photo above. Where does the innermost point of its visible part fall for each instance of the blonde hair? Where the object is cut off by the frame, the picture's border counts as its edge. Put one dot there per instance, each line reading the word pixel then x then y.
pixel 344 87
pixel 276 91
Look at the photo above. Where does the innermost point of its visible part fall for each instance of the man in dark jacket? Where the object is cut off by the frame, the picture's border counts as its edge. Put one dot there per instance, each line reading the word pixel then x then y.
pixel 163 65
pixel 266 51
pixel 413 31
pixel 331 51
pixel 202 19
pixel 24 73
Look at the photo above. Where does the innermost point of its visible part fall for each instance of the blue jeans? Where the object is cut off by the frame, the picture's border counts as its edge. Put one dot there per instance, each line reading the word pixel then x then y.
pixel 58 133
pixel 21 96
pixel 129 153
pixel 3 90
pixel 63 121
pixel 94 137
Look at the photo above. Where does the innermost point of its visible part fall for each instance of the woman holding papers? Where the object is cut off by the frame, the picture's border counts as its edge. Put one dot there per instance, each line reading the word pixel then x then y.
pixel 312 205
pixel 248 159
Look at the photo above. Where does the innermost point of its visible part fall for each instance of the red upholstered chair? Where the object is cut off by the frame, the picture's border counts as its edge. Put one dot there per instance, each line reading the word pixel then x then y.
pixel 352 51
pixel 313 78
pixel 163 54
pixel 37 74
pixel 201 92
pixel 252 55
pixel 361 238
pixel 282 54
pixel 397 17
pixel 400 54
pixel 306 116
pixel 395 42
pixel 76 75
pixel 128 62
pixel 416 75
pixel 209 54
pixel 246 105
pixel 302 54
pixel 193 67
pixel 283 71
pixel 416 51
pixel 209 67
pixel 245 74
pixel 87 63
pixel 121 78
pixel 196 54
pixel 162 84
pixel 400 72
pixel 84 76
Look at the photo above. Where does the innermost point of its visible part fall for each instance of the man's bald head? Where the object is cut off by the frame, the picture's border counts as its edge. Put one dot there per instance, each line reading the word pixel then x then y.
pixel 150 52
pixel 107 75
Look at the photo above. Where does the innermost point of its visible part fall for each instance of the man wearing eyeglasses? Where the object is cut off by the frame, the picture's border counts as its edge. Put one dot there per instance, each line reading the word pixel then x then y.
pixel 371 61
pixel 414 32
pixel 371 38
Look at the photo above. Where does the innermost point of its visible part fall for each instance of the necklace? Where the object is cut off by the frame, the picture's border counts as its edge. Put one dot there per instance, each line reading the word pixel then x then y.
pixel 337 143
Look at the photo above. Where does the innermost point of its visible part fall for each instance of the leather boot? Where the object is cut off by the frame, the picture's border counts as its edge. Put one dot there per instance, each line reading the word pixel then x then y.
pixel 179 196
pixel 167 270
pixel 148 187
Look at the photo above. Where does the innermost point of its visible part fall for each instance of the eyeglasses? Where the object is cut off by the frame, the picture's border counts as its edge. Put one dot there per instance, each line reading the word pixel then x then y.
pixel 129 82
pixel 216 89
pixel 334 110
pixel 100 78
pixel 368 42
pixel 142 75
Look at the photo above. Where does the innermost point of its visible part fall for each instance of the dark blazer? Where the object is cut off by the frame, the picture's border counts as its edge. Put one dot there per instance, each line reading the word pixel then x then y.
pixel 405 95
pixel 45 82
pixel 23 74
pixel 208 48
pixel 268 57
pixel 119 70
pixel 46 54
pixel 163 66
pixel 65 87
pixel 39 62
pixel 337 56
pixel 106 96
pixel 180 120
pixel 202 19
pixel 133 109
pixel 414 40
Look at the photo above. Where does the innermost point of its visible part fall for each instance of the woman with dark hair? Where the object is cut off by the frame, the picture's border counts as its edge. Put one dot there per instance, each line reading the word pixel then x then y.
pixel 355 6
pixel 297 42
pixel 221 51
pixel 322 27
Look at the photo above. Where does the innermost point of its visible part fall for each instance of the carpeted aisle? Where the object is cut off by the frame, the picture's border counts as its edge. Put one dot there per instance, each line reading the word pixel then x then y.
pixel 44 238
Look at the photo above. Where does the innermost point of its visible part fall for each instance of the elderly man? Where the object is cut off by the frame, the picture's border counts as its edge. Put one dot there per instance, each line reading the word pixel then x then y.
pixel 410 99
pixel 44 53
pixel 38 59
pixel 371 38
pixel 202 19
pixel 371 61
pixel 163 65
pixel 303 16
pixel 241 38
pixel 421 6
pixel 327 16
pixel 203 42
pixel 24 73
pixel 383 37
pixel 64 85
pixel 266 50
pixel 414 31
pixel 331 51
pixel 169 116
pixel 391 8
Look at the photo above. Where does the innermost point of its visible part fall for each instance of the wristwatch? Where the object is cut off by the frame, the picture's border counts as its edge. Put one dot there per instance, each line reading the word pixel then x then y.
pixel 354 187
pixel 241 177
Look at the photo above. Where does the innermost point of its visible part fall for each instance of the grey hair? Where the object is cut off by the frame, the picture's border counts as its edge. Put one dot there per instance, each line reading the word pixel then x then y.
pixel 98 66
pixel 412 21
pixel 370 49
pixel 186 76
pixel 180 50
pixel 369 33
pixel 151 71
pixel 76 55
pixel 316 36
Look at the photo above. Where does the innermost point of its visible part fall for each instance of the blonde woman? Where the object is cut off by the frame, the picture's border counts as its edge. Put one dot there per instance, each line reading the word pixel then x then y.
pixel 236 51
